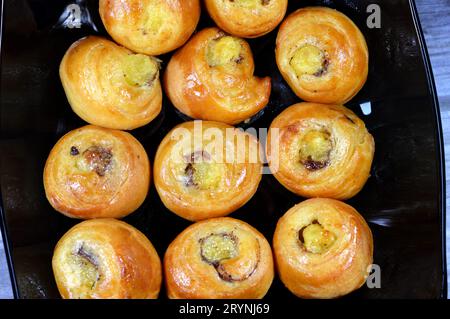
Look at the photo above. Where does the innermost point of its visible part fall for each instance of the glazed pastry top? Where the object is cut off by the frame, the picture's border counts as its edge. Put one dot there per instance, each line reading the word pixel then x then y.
pixel 151 27
pixel 109 86
pixel 207 171
pixel 90 168
pixel 247 18
pixel 219 258
pixel 211 78
pixel 320 148
pixel 322 55
pixel 106 258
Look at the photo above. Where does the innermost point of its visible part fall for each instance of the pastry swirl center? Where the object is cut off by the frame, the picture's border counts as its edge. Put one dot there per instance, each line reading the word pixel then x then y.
pixel 315 149
pixel 316 239
pixel 309 60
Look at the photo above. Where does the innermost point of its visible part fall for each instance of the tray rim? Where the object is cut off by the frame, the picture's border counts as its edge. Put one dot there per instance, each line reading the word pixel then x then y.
pixel 439 151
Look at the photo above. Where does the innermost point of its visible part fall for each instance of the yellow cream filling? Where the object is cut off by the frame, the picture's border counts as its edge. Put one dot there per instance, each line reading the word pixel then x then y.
pixel 139 69
pixel 216 248
pixel 315 146
pixel 317 240
pixel 207 175
pixel 223 51
pixel 308 60
pixel 81 275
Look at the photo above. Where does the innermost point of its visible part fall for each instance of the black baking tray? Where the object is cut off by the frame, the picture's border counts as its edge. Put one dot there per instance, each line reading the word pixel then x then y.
pixel 403 201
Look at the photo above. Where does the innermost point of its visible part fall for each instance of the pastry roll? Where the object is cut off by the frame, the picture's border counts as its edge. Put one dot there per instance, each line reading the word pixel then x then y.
pixel 94 172
pixel 323 249
pixel 106 259
pixel 318 150
pixel 207 169
pixel 109 86
pixel 150 27
pixel 220 258
pixel 211 78
pixel 322 55
pixel 247 18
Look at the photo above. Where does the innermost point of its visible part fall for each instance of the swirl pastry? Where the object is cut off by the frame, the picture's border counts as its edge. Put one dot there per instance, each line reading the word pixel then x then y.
pixel 318 150
pixel 150 27
pixel 211 78
pixel 106 258
pixel 322 55
pixel 94 172
pixel 207 169
pixel 247 18
pixel 109 86
pixel 220 258
pixel 323 249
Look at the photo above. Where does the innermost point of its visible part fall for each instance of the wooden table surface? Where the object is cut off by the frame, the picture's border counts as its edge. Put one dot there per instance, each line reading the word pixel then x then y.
pixel 435 19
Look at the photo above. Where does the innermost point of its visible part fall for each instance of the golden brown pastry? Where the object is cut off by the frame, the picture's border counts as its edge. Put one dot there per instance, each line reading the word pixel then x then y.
pixel 94 172
pixel 322 55
pixel 207 169
pixel 109 86
pixel 211 78
pixel 220 258
pixel 106 258
pixel 318 150
pixel 247 18
pixel 151 27
pixel 323 249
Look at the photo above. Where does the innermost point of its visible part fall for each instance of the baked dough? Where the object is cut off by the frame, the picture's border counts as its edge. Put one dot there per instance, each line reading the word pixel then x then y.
pixel 150 27
pixel 106 258
pixel 94 172
pixel 207 169
pixel 247 18
pixel 323 249
pixel 322 55
pixel 211 78
pixel 220 258
pixel 318 150
pixel 109 86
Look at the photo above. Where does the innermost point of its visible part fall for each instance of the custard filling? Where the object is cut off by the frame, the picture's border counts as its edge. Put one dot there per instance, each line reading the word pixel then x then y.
pixel 139 70
pixel 309 60
pixel 224 51
pixel 83 271
pixel 315 149
pixel 316 239
pixel 218 247
pixel 201 172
